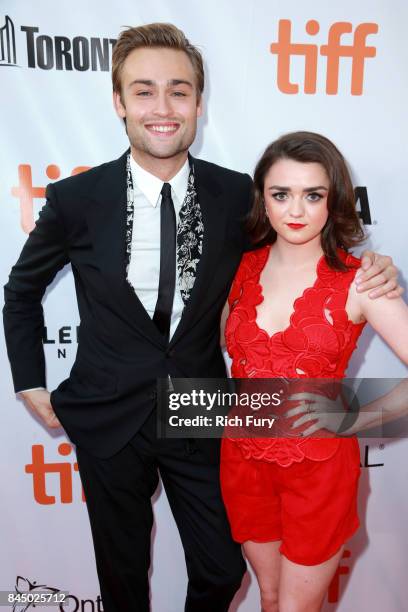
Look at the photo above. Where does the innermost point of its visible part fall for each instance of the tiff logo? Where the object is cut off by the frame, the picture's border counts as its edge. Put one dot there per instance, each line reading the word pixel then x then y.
pixel 39 468
pixel 8 44
pixel 358 51
pixel 26 192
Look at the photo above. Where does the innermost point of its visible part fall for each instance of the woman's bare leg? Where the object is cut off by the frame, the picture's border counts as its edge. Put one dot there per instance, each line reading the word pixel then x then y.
pixel 302 588
pixel 265 560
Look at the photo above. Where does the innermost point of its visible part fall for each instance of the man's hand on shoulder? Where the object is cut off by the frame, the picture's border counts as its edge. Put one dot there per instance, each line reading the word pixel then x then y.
pixel 379 275
pixel 38 400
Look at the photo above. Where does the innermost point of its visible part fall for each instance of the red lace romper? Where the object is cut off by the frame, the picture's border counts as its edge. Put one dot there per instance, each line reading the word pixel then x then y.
pixel 302 491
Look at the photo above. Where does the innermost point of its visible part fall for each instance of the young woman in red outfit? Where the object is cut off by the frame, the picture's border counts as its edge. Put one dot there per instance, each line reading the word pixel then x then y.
pixel 295 312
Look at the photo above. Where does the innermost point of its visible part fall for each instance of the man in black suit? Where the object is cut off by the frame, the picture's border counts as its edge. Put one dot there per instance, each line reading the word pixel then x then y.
pixel 154 239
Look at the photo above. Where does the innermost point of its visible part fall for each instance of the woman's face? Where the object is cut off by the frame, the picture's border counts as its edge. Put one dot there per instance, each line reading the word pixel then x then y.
pixel 295 195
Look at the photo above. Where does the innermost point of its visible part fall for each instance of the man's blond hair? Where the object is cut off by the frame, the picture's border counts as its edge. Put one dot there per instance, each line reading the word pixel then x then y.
pixel 155 35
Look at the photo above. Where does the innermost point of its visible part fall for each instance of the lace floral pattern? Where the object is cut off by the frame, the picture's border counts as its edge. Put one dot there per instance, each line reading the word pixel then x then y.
pixel 317 343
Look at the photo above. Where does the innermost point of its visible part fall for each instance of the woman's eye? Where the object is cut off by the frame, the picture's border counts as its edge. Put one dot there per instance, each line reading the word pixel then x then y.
pixel 280 196
pixel 314 197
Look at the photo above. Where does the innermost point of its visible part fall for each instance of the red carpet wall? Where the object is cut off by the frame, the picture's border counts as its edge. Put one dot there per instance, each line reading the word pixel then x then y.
pixel 338 68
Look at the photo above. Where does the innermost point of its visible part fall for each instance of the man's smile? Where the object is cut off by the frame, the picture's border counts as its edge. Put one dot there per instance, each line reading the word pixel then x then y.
pixel 167 129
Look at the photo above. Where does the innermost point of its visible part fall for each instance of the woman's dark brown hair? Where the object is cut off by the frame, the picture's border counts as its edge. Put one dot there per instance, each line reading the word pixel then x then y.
pixel 343 227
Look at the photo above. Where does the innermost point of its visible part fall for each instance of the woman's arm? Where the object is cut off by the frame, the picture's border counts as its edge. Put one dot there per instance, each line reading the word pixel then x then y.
pixel 324 413
pixel 389 318
pixel 389 407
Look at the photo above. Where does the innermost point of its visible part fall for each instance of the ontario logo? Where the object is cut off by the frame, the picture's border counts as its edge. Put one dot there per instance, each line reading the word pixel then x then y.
pixel 47 52
pixel 29 594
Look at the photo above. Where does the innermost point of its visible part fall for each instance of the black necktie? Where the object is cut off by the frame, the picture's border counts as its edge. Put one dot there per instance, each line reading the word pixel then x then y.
pixel 167 282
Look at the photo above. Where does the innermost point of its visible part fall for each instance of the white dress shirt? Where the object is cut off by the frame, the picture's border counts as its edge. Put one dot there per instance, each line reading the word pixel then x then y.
pixel 144 266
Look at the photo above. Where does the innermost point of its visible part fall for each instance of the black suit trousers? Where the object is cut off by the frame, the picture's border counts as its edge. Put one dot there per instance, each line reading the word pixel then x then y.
pixel 118 493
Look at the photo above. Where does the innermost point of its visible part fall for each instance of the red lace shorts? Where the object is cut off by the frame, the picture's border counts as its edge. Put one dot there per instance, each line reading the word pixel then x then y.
pixel 311 506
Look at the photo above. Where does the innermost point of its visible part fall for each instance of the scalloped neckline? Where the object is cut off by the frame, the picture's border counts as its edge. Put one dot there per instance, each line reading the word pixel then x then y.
pixel 300 297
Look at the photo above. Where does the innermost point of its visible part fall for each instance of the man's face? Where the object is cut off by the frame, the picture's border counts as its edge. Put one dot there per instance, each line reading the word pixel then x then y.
pixel 160 102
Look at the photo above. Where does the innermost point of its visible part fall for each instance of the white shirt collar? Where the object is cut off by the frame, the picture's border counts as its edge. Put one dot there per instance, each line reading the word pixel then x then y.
pixel 151 186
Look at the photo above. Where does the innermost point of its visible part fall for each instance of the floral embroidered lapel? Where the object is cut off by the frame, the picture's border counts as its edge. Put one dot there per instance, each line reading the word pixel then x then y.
pixel 190 232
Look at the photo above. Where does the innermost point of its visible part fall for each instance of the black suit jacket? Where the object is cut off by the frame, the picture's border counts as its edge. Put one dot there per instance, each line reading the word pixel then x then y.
pixel 112 385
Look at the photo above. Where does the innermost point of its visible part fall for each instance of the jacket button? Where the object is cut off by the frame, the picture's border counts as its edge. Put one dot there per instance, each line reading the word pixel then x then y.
pixel 153 395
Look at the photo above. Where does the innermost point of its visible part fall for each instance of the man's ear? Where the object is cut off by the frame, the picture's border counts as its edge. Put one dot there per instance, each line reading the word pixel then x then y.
pixel 200 106
pixel 118 104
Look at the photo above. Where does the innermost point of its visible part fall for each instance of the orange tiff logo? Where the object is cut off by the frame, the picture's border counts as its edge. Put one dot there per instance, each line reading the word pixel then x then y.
pixel 358 51
pixel 26 192
pixel 41 471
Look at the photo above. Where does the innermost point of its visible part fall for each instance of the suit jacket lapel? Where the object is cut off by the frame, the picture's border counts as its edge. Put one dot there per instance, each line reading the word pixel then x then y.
pixel 106 217
pixel 209 192
pixel 190 232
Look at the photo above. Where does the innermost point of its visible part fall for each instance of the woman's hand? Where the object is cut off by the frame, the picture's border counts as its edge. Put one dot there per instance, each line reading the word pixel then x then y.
pixel 320 411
